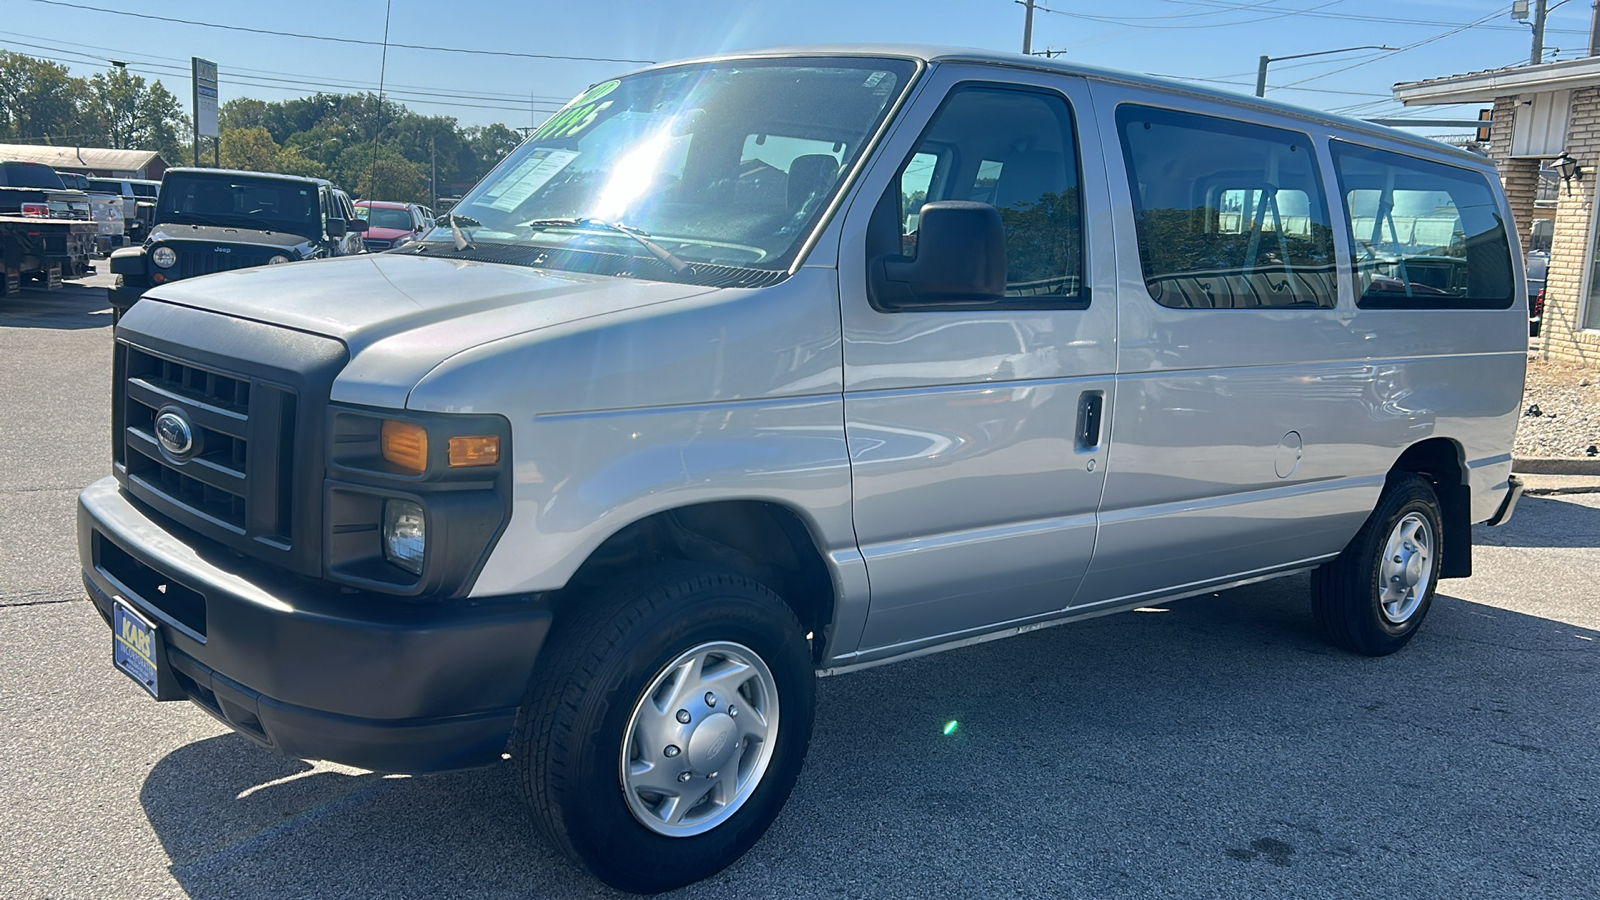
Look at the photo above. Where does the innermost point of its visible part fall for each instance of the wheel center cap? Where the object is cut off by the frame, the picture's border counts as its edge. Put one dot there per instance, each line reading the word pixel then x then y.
pixel 1413 569
pixel 712 743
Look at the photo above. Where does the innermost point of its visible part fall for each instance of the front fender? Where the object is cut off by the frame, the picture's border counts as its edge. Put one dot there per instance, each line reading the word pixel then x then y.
pixel 128 261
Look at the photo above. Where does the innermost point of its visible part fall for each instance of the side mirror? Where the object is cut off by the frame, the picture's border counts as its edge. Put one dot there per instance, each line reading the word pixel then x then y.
pixel 961 259
pixel 359 226
pixel 337 228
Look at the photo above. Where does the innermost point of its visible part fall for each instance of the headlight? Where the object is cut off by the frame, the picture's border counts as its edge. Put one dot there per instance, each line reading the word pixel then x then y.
pixel 164 257
pixel 405 534
pixel 277 260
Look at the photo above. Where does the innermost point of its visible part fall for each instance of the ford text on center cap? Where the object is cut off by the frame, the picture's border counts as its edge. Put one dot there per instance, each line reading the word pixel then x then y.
pixel 175 435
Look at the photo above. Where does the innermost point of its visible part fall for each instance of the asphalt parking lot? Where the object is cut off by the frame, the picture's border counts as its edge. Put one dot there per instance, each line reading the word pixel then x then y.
pixel 1216 748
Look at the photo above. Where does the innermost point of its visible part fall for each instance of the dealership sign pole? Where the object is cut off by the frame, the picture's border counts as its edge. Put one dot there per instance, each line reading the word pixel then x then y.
pixel 204 79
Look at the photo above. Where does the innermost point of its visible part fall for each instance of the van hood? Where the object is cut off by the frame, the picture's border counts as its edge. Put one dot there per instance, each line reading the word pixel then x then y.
pixel 399 316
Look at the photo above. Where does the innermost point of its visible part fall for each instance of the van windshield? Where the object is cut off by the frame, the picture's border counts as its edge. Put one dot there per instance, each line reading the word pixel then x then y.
pixel 729 164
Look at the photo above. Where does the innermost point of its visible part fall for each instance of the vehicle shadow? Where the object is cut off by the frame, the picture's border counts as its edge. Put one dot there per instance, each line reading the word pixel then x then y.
pixel 1544 522
pixel 1211 747
pixel 74 306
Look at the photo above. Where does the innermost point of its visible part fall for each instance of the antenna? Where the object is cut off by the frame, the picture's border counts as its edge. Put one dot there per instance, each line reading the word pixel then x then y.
pixel 383 67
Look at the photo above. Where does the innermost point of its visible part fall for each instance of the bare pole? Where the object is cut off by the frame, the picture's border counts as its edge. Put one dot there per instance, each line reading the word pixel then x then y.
pixel 1536 56
pixel 1594 29
pixel 1027 28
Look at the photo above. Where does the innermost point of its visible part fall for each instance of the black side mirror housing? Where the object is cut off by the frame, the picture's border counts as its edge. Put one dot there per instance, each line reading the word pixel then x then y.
pixel 337 228
pixel 960 261
pixel 359 226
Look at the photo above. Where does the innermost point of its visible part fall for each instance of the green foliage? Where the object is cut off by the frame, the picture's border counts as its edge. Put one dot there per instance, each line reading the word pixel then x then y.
pixel 376 149
pixel 249 148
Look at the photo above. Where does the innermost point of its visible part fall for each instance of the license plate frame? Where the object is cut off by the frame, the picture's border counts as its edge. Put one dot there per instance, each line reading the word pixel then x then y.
pixel 134 642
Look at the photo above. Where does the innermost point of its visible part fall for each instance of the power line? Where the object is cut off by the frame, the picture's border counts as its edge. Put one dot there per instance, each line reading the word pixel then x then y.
pixel 293 87
pixel 1387 20
pixel 119 53
pixel 337 40
pixel 1123 21
pixel 1412 46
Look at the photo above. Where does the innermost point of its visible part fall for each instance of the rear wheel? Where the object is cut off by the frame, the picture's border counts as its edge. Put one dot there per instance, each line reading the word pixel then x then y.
pixel 1373 597
pixel 666 727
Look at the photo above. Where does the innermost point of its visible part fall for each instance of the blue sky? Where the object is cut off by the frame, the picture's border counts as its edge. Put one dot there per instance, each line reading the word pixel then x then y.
pixel 1217 41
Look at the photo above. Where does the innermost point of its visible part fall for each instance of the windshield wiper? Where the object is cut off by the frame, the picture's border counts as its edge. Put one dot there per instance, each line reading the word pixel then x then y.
pixel 643 237
pixel 463 240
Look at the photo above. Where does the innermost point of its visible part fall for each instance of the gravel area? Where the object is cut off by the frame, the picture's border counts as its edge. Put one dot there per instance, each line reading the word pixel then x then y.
pixel 1567 398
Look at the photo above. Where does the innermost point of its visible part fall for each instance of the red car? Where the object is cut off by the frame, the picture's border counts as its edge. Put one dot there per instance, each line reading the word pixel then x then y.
pixel 390 224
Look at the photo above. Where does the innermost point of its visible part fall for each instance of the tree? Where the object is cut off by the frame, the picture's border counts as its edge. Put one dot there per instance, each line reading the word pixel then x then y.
pixel 490 144
pixel 40 102
pixel 249 148
pixel 132 116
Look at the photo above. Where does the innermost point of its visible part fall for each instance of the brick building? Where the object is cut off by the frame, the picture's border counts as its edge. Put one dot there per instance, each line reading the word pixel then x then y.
pixel 1540 112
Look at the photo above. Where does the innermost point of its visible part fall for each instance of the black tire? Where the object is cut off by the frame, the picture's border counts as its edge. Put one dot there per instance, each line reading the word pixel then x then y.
pixel 1346 592
pixel 566 748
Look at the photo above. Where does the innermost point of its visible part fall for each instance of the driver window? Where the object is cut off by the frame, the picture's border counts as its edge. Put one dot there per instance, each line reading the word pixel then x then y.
pixel 1013 149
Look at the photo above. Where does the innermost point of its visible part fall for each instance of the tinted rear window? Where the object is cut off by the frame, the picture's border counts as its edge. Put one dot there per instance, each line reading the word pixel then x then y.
pixel 31 175
pixel 1229 214
pixel 1424 235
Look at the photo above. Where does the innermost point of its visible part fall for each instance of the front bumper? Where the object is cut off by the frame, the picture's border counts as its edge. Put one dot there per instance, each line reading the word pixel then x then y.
pixel 307 669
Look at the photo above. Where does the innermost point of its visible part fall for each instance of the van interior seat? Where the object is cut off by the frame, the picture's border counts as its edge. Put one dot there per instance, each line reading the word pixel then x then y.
pixel 809 176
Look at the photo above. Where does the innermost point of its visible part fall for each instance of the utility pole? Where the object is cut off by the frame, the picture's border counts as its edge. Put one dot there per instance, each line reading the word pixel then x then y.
pixel 1027 28
pixel 1537 55
pixel 433 178
pixel 1594 30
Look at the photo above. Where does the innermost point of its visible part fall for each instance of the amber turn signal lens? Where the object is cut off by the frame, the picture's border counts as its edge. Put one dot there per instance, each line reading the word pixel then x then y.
pixel 477 450
pixel 405 445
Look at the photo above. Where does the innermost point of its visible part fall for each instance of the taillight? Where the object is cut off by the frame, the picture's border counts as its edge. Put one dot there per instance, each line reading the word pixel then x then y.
pixel 40 210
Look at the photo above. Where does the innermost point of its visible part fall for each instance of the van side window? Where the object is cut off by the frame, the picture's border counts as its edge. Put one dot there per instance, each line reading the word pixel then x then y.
pixel 1014 149
pixel 1230 215
pixel 1423 235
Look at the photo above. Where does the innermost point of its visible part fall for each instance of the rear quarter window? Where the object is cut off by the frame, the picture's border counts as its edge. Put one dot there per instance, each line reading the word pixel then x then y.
pixel 1423 234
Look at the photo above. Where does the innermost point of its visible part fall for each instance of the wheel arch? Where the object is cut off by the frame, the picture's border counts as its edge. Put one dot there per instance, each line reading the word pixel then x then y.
pixel 1442 461
pixel 761 539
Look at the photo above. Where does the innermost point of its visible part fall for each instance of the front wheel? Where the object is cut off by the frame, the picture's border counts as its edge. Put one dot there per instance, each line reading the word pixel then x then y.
pixel 666 726
pixel 1372 598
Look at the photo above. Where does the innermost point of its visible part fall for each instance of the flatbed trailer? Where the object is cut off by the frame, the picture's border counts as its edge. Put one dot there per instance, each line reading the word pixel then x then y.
pixel 51 249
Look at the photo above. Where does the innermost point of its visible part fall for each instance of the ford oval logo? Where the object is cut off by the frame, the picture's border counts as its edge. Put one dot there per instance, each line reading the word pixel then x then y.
pixel 175 434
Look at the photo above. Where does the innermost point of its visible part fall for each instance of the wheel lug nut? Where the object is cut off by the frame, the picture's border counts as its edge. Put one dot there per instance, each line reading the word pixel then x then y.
pixel 671 751
pixel 683 716
pixel 1397 558
pixel 711 699
pixel 684 776
pixel 733 710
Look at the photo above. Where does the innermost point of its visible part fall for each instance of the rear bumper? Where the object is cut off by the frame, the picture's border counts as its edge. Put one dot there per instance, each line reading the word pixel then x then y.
pixel 309 670
pixel 1509 505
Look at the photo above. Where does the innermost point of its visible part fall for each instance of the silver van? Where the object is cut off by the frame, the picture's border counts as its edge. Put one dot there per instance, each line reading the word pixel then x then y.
pixel 749 369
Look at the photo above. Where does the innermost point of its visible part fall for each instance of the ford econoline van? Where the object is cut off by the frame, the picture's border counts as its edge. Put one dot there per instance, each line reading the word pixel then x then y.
pixel 745 370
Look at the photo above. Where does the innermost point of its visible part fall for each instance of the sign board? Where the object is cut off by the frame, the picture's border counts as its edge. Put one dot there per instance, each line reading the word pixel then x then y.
pixel 204 76
pixel 1486 116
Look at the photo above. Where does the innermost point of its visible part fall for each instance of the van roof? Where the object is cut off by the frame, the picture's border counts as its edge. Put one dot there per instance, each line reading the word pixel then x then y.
pixel 935 54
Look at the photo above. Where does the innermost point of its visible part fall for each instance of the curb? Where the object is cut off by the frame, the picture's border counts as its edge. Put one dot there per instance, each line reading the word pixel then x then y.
pixel 1555 466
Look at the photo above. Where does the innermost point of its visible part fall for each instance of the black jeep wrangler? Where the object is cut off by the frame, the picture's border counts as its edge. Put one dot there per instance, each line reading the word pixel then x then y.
pixel 211 220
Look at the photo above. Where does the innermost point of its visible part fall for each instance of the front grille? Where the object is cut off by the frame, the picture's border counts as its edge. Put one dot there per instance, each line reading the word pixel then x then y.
pixel 240 473
pixel 205 259
pixel 373 244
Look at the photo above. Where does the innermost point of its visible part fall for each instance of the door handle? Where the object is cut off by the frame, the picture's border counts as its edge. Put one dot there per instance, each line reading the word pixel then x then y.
pixel 1090 407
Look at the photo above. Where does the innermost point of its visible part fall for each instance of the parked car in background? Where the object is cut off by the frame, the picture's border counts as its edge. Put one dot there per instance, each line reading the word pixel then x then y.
pixel 1537 265
pixel 47 231
pixel 429 220
pixel 391 225
pixel 106 208
pixel 145 192
pixel 212 220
